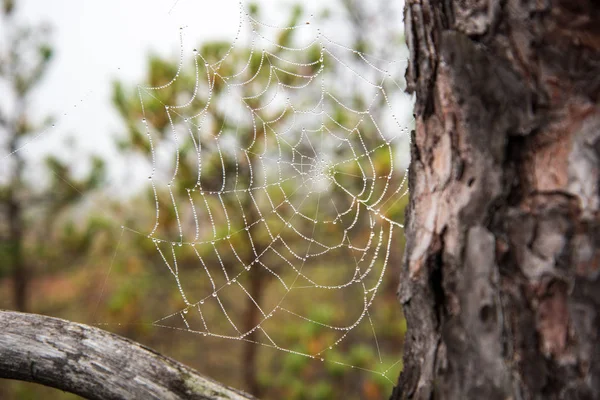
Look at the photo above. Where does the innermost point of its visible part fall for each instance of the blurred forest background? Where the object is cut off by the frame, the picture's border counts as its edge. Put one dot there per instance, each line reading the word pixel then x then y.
pixel 63 252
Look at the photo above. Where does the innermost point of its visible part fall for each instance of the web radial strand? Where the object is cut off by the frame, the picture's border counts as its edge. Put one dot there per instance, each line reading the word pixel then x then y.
pixel 284 165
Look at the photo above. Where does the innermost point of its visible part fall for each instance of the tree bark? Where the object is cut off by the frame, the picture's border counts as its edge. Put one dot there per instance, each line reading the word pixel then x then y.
pixel 94 363
pixel 19 270
pixel 500 283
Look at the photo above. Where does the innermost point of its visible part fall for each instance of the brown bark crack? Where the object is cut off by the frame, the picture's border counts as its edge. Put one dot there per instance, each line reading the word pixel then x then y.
pixel 501 277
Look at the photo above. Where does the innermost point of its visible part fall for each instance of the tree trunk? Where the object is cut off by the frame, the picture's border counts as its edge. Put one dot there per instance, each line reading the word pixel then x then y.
pixel 251 320
pixel 19 271
pixel 501 277
pixel 96 364
pixel 15 242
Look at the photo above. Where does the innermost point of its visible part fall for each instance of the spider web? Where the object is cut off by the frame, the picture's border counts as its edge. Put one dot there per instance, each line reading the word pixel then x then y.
pixel 294 182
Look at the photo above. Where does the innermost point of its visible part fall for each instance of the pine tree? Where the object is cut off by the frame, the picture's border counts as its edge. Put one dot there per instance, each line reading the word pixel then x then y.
pixel 28 205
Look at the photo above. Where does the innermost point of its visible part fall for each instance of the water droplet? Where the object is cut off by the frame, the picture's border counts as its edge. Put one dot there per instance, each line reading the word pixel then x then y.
pixel 201 301
pixel 185 311
pixel 214 294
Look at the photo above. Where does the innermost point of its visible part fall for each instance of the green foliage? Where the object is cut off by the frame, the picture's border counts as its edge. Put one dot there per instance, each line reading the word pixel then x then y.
pixel 42 204
pixel 289 375
pixel 119 275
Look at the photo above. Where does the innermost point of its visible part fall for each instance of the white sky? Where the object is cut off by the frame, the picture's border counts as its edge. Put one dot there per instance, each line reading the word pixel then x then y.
pixel 96 42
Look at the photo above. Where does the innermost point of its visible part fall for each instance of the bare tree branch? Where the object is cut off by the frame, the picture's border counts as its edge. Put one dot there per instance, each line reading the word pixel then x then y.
pixel 94 363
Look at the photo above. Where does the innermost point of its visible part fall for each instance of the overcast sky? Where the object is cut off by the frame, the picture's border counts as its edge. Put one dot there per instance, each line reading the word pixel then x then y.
pixel 99 41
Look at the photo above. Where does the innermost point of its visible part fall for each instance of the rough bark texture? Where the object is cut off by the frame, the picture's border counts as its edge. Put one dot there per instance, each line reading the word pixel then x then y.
pixel 94 363
pixel 500 283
